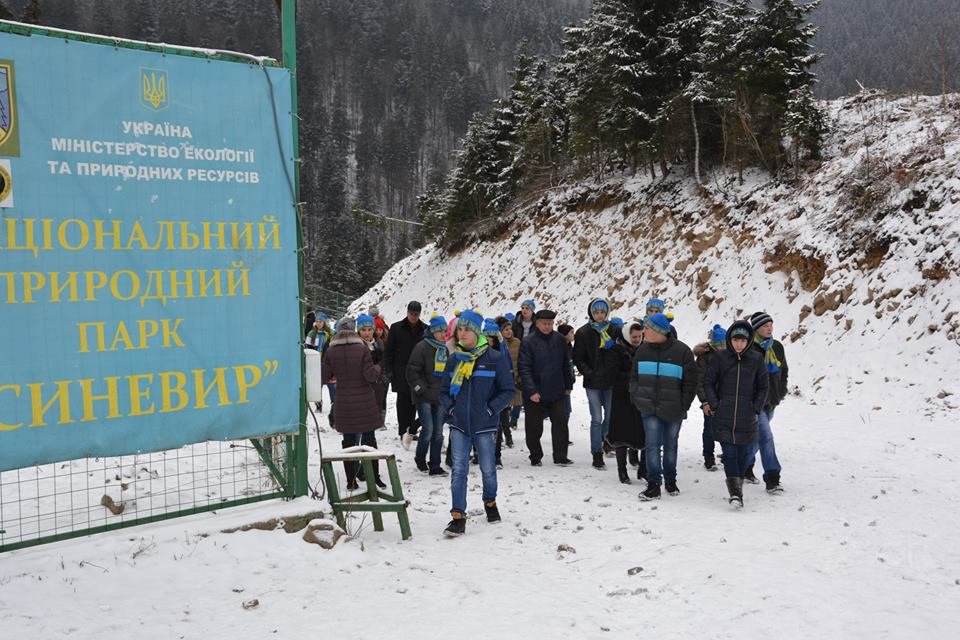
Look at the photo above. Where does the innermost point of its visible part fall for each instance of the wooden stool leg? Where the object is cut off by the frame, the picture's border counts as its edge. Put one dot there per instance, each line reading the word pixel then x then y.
pixel 373 493
pixel 332 493
pixel 397 489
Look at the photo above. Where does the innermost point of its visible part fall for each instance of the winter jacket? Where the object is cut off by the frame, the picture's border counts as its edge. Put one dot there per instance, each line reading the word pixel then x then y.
pixel 513 347
pixel 598 366
pixel 396 353
pixel 545 366
pixel 380 386
pixel 476 409
pixel 703 353
pixel 348 360
pixel 663 380
pixel 424 386
pixel 518 331
pixel 778 380
pixel 626 422
pixel 736 388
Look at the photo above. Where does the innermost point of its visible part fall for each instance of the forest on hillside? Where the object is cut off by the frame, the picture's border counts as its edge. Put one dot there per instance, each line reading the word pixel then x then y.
pixel 387 87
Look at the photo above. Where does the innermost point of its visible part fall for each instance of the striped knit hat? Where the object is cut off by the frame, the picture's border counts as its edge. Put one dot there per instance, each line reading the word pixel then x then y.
pixel 759 319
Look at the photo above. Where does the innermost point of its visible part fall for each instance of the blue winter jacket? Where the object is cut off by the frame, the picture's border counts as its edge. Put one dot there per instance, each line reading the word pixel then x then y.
pixel 545 366
pixel 490 389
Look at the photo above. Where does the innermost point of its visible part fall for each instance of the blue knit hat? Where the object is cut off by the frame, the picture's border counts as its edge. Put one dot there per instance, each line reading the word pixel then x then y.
pixel 530 304
pixel 718 337
pixel 470 320
pixel 599 305
pixel 490 327
pixel 656 303
pixel 322 316
pixel 617 322
pixel 659 322
pixel 438 323
pixel 510 316
pixel 364 320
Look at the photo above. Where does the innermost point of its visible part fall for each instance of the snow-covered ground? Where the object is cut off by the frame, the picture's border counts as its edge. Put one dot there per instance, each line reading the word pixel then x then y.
pixel 861 545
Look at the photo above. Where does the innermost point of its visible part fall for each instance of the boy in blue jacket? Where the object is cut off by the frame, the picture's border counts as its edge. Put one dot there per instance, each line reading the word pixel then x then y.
pixel 477 385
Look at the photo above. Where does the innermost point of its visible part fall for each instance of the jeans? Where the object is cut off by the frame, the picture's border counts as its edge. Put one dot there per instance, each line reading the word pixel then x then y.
pixel 533 426
pixel 768 452
pixel 600 401
pixel 660 433
pixel 431 434
pixel 461 444
pixel 707 436
pixel 736 458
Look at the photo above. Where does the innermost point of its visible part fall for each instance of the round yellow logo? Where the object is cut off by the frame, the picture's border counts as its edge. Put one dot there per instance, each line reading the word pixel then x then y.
pixel 6 183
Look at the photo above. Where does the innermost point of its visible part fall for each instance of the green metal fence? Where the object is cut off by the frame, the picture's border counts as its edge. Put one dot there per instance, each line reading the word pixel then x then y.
pixel 63 500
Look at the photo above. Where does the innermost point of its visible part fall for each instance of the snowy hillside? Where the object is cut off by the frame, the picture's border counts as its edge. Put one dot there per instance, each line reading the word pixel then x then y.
pixel 858 261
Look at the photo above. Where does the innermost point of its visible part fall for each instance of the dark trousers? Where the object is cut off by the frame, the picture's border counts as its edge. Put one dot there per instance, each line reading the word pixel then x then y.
pixel 368 438
pixel 504 431
pixel 533 425
pixel 736 458
pixel 406 412
pixel 707 436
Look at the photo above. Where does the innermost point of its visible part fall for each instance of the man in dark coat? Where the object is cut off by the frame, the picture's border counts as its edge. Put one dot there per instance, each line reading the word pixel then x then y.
pixel 476 386
pixel 402 337
pixel 735 386
pixel 546 376
pixel 663 384
pixel 775 361
pixel 598 362
pixel 348 361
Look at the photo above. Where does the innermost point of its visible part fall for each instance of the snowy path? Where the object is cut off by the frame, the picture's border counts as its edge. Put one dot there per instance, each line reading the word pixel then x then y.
pixel 861 545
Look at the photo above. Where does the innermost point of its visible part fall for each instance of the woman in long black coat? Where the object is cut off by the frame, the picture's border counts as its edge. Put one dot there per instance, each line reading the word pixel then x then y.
pixel 626 424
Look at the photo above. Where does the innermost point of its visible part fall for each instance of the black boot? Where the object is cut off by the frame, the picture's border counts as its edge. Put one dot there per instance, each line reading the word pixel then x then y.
pixel 622 465
pixel 735 489
pixel 633 456
pixel 493 514
pixel 456 527
pixel 749 477
pixel 652 492
pixel 710 462
pixel 598 461
pixel 350 468
pixel 772 480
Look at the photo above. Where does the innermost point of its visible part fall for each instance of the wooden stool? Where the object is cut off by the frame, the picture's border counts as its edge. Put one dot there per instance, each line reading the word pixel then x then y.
pixel 370 500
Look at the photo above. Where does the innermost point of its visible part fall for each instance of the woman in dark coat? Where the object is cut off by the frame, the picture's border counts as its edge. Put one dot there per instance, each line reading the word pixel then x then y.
pixel 626 423
pixel 735 385
pixel 356 414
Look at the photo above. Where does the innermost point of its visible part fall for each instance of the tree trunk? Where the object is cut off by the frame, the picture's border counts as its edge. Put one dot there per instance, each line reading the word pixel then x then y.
pixel 696 143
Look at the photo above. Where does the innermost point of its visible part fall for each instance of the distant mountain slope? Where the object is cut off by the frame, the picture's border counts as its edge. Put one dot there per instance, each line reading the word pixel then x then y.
pixel 857 262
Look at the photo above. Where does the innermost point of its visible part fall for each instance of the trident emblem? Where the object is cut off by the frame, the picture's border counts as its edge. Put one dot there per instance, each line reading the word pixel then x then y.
pixel 154 83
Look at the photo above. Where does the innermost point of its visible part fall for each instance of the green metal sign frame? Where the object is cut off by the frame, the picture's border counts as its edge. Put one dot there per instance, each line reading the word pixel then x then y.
pixel 292 479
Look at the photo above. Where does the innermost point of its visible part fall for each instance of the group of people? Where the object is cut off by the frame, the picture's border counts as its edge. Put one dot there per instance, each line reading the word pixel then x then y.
pixel 477 374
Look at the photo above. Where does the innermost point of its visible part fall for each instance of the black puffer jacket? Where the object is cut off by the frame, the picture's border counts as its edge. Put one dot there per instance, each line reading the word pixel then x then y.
pixel 424 385
pixel 736 388
pixel 663 381
pixel 598 366
pixel 778 380
pixel 401 339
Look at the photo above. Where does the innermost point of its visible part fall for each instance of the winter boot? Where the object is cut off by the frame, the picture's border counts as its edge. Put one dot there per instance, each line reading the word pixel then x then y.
pixel 772 480
pixel 350 469
pixel 457 526
pixel 421 465
pixel 438 471
pixel 508 438
pixel 493 514
pixel 598 461
pixel 709 462
pixel 622 465
pixel 652 492
pixel 735 489
pixel 671 487
pixel 633 456
pixel 749 477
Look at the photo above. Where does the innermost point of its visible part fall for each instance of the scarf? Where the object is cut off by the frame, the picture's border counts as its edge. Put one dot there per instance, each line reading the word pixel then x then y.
pixel 465 361
pixel 769 357
pixel 606 342
pixel 440 357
